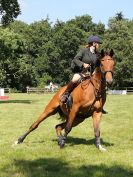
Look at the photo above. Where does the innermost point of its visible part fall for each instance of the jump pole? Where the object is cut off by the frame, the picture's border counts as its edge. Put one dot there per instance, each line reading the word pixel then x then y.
pixel 2 95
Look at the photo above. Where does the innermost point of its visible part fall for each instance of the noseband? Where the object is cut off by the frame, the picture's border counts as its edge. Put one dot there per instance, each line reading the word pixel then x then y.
pixel 105 72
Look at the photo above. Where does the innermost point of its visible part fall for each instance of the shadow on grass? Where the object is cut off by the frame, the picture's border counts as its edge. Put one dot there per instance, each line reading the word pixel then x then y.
pixel 75 141
pixel 50 167
pixel 16 101
pixel 72 141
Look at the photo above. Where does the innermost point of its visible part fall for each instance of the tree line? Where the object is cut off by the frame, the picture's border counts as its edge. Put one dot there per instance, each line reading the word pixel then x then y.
pixel 33 54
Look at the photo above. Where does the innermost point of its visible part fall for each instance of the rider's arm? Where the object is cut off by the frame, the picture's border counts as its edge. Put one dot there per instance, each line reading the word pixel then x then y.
pixel 78 59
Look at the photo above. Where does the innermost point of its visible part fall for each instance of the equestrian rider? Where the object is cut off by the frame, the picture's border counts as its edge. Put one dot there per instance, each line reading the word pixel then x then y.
pixel 86 60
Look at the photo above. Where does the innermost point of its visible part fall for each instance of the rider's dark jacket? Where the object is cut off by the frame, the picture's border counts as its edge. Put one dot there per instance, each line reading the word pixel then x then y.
pixel 84 56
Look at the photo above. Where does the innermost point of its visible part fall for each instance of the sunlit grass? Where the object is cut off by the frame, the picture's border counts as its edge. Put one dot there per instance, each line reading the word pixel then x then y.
pixel 40 156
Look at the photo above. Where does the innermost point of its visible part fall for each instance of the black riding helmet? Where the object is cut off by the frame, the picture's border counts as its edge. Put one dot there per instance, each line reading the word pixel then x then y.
pixel 92 39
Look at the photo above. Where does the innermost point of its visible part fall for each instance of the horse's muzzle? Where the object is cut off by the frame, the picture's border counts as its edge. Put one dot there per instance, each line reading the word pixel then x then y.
pixel 109 77
pixel 109 82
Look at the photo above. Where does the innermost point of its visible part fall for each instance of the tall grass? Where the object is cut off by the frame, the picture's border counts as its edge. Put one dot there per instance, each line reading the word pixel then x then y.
pixel 40 156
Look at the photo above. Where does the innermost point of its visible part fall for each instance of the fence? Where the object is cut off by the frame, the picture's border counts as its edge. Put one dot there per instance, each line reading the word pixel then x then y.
pixel 124 91
pixel 34 90
pixel 46 89
pixel 7 90
pixel 129 90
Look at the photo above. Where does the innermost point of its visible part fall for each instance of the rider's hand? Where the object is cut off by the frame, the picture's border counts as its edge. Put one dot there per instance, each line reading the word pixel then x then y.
pixel 85 65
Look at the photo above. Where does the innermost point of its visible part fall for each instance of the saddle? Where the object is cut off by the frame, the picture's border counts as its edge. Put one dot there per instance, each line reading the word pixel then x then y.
pixel 84 81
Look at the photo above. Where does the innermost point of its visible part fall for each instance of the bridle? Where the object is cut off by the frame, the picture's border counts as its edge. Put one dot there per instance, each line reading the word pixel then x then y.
pixel 108 71
pixel 104 72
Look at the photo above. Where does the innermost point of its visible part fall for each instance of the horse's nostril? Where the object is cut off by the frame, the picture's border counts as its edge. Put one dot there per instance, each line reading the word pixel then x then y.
pixel 109 81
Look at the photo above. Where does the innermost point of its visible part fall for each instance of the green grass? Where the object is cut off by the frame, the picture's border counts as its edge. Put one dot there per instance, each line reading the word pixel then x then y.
pixel 40 156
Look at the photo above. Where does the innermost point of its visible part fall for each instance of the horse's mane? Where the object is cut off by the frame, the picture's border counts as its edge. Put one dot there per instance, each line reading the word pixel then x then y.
pixel 97 70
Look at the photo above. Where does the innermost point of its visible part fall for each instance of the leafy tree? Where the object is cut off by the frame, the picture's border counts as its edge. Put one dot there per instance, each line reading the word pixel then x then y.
pixel 36 53
pixel 9 10
pixel 16 69
pixel 119 16
pixel 39 37
pixel 20 27
pixel 83 22
pixel 119 37
pixel 65 42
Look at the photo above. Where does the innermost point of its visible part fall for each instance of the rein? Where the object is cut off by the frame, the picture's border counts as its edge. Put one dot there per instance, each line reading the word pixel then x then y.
pixel 97 90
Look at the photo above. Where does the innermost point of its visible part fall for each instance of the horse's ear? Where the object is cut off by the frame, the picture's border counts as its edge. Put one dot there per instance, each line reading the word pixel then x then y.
pixel 102 53
pixel 111 52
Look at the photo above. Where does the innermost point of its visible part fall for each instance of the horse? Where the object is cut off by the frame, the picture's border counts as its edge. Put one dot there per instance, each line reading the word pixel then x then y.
pixel 87 99
pixel 50 88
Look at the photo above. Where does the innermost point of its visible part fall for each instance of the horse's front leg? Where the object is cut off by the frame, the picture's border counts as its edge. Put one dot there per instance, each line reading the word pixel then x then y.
pixel 96 122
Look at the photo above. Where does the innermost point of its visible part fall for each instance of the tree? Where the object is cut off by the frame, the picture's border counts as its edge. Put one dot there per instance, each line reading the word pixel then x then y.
pixel 119 16
pixel 66 42
pixel 16 69
pixel 83 22
pixel 120 37
pixel 9 10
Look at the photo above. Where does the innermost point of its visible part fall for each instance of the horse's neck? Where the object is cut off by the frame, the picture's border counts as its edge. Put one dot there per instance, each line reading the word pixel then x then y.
pixel 97 75
pixel 97 71
pixel 97 78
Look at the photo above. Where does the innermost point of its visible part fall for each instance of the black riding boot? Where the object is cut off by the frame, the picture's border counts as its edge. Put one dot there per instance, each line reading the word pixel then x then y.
pixel 71 85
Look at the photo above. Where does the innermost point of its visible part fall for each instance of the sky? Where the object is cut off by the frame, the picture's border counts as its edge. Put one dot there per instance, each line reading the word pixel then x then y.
pixel 64 10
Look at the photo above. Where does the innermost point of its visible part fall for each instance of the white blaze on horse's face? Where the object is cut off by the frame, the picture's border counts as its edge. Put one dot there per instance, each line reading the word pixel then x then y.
pixel 107 68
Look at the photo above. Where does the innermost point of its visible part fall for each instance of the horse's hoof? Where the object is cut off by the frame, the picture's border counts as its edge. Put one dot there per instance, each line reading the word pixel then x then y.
pixel 62 145
pixel 16 142
pixel 61 142
pixel 101 148
pixel 19 141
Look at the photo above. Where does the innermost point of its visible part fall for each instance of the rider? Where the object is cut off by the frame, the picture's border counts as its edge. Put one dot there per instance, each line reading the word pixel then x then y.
pixel 86 60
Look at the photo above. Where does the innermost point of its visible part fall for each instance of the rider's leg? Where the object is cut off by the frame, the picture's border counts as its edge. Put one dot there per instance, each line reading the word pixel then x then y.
pixel 71 85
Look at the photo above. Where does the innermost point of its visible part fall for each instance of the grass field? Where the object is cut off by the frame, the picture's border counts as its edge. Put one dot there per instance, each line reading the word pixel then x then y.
pixel 39 155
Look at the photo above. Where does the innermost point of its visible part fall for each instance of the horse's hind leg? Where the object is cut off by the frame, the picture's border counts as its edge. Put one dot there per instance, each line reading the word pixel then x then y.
pixel 67 126
pixel 61 139
pixel 50 109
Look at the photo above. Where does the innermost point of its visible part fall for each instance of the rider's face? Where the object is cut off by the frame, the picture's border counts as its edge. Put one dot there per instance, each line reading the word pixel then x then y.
pixel 96 45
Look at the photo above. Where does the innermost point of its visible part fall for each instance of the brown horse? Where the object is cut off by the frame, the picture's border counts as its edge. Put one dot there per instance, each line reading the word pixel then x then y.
pixel 87 100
